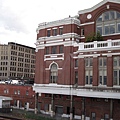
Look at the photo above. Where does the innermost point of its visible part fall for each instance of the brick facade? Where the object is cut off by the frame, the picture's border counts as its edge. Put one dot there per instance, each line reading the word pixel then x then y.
pixel 90 89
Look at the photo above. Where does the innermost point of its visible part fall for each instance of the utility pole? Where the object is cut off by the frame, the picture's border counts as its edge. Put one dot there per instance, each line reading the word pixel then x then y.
pixel 36 103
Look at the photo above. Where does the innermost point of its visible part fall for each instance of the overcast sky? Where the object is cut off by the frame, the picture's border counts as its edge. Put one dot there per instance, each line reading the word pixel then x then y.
pixel 20 18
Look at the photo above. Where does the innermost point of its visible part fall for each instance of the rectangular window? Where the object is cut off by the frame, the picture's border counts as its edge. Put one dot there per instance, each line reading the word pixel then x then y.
pixel 102 70
pixel 89 77
pixel 18 92
pixel 106 117
pixel 46 107
pixel 118 27
pixel 60 31
pixel 118 15
pixel 61 49
pixel 106 16
pixel 76 77
pixel 54 32
pixel 99 29
pixel 76 62
pixel 27 92
pixel 106 29
pixel 82 32
pixel 112 15
pixel 48 33
pixel 88 71
pixel 54 49
pixel 93 116
pixel 47 50
pixel 116 70
pixel 112 28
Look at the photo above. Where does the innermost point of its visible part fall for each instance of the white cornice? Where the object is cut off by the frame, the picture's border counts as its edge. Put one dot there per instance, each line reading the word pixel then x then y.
pixel 70 20
pixel 89 23
pixel 97 6
pixel 89 55
pixel 58 37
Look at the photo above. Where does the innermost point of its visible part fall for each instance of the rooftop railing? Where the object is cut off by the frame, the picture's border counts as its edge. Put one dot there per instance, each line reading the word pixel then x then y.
pixel 99 45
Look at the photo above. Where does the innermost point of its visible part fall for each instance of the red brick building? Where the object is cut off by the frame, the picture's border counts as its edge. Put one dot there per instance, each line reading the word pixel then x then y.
pixel 23 97
pixel 78 64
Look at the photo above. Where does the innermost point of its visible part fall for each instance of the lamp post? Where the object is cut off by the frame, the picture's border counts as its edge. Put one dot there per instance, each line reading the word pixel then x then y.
pixel 71 90
pixel 36 102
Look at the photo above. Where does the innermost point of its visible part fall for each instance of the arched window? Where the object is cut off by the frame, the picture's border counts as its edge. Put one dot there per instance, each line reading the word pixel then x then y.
pixel 108 23
pixel 53 73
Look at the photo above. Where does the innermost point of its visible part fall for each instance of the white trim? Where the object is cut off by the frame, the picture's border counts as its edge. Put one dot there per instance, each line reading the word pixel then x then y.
pixel 53 54
pixel 63 36
pixel 71 90
pixel 89 55
pixel 97 6
pixel 54 28
pixel 61 27
pixel 49 68
pixel 82 38
pixel 89 23
pixel 54 41
pixel 110 54
pixel 60 58
pixel 112 34
pixel 66 21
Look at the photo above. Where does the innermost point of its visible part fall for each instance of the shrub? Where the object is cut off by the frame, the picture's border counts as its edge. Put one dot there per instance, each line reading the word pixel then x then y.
pixel 94 37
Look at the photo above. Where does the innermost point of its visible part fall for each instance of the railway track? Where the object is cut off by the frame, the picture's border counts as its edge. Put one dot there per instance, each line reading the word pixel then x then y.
pixel 9 118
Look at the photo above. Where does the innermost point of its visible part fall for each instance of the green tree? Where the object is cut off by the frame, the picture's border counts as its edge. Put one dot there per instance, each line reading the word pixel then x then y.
pixel 94 37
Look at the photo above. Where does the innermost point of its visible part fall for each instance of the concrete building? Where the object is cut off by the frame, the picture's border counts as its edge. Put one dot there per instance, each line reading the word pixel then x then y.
pixel 78 64
pixel 16 61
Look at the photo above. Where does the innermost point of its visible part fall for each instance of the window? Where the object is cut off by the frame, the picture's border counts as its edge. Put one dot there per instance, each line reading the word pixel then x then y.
pixel 76 77
pixel 61 49
pixel 108 23
pixel 47 50
pixel 54 49
pixel 106 117
pixel 18 92
pixel 88 77
pixel 93 116
pixel 76 62
pixel 82 32
pixel 46 107
pixel 88 70
pixel 60 31
pixel 48 33
pixel 53 73
pixel 15 92
pixel 6 91
pixel 116 70
pixel 102 70
pixel 27 92
pixel 54 32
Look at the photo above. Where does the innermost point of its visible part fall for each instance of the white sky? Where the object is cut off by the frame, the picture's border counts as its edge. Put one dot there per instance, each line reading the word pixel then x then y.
pixel 20 18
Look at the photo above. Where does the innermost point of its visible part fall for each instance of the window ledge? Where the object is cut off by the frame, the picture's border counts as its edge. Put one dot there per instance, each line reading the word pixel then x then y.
pixel 111 34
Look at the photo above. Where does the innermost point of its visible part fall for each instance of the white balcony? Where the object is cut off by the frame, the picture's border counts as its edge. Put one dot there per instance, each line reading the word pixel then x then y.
pixel 99 45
